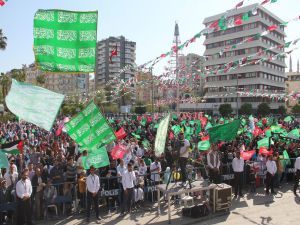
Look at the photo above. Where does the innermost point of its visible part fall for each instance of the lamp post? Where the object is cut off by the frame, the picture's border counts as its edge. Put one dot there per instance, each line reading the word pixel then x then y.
pixel 237 95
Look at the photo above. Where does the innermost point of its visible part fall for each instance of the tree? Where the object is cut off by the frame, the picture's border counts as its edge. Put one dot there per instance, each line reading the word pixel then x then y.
pixel 296 109
pixel 281 110
pixel 263 109
pixel 5 83
pixel 3 40
pixel 246 109
pixel 41 79
pixel 140 108
pixel 225 109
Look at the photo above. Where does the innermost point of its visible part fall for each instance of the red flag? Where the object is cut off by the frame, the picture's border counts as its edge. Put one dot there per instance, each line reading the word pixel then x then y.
pixel 238 21
pixel 149 119
pixel 20 146
pixel 203 121
pixel 113 53
pixel 118 152
pixel 205 138
pixel 171 136
pixel 2 3
pixel 264 151
pixel 247 155
pixel 139 118
pixel 120 134
pixel 240 4
pixel 257 131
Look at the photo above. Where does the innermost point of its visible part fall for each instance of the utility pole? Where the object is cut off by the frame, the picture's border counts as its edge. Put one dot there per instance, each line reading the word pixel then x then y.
pixel 152 88
pixel 176 34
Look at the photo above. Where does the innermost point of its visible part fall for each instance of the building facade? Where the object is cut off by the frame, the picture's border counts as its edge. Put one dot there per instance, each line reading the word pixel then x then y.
pixel 67 84
pixel 264 77
pixel 293 85
pixel 144 87
pixel 106 70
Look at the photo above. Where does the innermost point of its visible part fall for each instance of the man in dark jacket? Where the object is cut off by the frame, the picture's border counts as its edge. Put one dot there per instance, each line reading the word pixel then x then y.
pixel 38 184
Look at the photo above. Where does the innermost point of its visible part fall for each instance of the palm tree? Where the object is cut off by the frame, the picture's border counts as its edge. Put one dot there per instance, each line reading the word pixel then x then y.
pixel 3 40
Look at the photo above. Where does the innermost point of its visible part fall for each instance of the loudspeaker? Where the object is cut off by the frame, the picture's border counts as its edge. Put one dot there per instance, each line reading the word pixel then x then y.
pixel 223 197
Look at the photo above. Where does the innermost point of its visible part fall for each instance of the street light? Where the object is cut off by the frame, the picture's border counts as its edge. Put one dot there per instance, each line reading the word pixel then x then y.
pixel 237 95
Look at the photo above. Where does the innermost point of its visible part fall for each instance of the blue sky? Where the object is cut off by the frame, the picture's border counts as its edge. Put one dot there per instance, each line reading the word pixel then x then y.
pixel 150 23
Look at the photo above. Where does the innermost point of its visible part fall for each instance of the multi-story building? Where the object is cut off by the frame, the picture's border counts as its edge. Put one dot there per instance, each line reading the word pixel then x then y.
pixel 106 70
pixel 143 88
pixel 67 84
pixel 293 85
pixel 264 77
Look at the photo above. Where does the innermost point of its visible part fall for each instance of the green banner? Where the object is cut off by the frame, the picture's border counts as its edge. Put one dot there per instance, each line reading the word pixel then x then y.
pixel 97 158
pixel 161 135
pixel 90 129
pixel 34 104
pixel 65 41
pixel 226 132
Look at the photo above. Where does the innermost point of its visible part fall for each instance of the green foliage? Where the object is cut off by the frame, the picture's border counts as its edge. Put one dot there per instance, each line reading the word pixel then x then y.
pixel 3 40
pixel 263 109
pixel 70 108
pixel 281 110
pixel 7 117
pixel 296 109
pixel 225 110
pixel 41 79
pixel 246 109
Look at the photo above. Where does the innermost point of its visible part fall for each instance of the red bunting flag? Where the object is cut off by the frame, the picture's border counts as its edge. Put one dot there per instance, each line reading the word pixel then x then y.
pixel 238 21
pixel 214 24
pixel 247 155
pixel 120 134
pixel 264 2
pixel 240 4
pixel 118 152
pixel 2 3
pixel 271 28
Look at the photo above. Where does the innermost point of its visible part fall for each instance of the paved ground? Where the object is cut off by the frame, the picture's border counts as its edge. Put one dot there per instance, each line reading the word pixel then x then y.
pixel 258 209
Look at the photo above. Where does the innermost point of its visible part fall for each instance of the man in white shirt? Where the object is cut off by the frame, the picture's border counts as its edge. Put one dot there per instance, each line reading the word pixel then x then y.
pixel 183 155
pixel 297 175
pixel 238 169
pixel 213 162
pixel 11 178
pixel 24 191
pixel 128 180
pixel 271 171
pixel 155 169
pixel 93 186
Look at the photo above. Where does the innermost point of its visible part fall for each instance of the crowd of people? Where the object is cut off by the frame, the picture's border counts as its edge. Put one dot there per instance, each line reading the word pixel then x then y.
pixel 49 171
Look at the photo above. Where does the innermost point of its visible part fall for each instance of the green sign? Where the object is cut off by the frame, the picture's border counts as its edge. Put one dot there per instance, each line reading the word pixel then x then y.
pixel 65 41
pixel 97 158
pixel 90 129
pixel 161 135
pixel 34 104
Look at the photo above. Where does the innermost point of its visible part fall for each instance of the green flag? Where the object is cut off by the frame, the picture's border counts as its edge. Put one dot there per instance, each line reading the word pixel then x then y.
pixel 65 41
pixel 176 129
pixel 225 132
pixel 203 145
pixel 161 135
pixel 90 129
pixel 286 157
pixel 3 160
pixel 288 119
pixel 97 158
pixel 294 134
pixel 264 143
pixel 33 104
pixel 208 126
pixel 143 122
